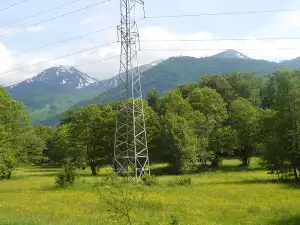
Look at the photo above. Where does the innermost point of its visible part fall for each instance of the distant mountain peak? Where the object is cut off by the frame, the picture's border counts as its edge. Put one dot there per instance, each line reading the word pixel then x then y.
pixel 63 78
pixel 231 54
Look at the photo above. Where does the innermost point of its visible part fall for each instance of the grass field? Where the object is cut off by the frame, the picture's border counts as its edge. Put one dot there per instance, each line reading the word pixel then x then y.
pixel 228 196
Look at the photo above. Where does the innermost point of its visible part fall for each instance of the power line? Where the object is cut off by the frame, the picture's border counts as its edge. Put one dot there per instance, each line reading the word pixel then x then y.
pixel 221 13
pixel 97 61
pixel 13 5
pixel 223 49
pixel 40 13
pixel 221 39
pixel 60 57
pixel 58 42
pixel 147 41
pixel 54 18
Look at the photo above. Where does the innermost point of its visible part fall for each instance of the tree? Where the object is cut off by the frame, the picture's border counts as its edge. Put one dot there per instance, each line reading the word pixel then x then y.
pixel 31 147
pixel 212 114
pixel 223 141
pixel 282 150
pixel 46 133
pixel 153 128
pixel 92 132
pixel 221 85
pixel 244 120
pixel 247 85
pixel 153 99
pixel 173 102
pixel 63 150
pixel 13 122
pixel 180 141
pixel 210 103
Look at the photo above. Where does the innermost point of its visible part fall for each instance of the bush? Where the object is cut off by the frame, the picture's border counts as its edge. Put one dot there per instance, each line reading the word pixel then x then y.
pixel 174 220
pixel 7 165
pixel 180 181
pixel 149 180
pixel 5 172
pixel 66 176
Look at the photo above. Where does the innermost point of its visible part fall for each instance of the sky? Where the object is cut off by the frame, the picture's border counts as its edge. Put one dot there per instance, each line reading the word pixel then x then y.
pixel 14 38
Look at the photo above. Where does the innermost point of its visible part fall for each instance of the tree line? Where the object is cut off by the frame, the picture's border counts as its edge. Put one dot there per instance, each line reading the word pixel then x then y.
pixel 191 127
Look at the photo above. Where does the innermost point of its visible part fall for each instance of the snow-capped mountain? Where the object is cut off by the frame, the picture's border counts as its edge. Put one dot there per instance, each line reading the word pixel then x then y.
pixel 114 81
pixel 231 54
pixel 53 80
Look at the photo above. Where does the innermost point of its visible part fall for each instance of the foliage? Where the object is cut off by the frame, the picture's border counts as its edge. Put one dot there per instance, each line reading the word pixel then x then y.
pixel 149 180
pixel 174 220
pixel 180 181
pixel 153 99
pixel 92 132
pixel 180 142
pixel 281 151
pixel 62 147
pixel 244 120
pixel 222 142
pixel 210 103
pixel 13 124
pixel 120 201
pixel 66 176
pixel 31 147
pixel 7 164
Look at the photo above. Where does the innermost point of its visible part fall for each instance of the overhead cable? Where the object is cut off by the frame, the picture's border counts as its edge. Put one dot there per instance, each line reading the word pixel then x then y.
pixel 54 18
pixel 38 14
pixel 221 13
pixel 60 57
pixel 57 42
pixel 13 5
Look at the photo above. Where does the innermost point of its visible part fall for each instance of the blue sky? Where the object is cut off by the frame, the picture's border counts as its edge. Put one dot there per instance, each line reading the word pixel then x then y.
pixel 281 24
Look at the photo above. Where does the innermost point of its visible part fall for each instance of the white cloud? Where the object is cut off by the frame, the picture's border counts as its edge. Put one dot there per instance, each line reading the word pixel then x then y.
pixel 282 25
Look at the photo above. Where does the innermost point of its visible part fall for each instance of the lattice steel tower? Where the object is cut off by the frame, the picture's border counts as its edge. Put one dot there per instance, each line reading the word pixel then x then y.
pixel 130 147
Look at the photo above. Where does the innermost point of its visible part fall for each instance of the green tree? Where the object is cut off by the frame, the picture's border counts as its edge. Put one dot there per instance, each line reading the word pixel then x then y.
pixel 153 99
pixel 221 85
pixel 244 120
pixel 62 148
pixel 31 147
pixel 283 151
pixel 247 85
pixel 46 133
pixel 173 102
pixel 222 142
pixel 92 131
pixel 212 114
pixel 13 123
pixel 210 103
pixel 180 141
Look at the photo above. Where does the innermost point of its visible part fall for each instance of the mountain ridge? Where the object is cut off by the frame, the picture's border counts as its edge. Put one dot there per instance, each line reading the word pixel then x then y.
pixel 162 74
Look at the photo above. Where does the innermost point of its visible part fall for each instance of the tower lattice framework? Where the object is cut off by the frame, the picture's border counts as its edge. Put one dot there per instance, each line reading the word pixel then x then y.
pixel 130 147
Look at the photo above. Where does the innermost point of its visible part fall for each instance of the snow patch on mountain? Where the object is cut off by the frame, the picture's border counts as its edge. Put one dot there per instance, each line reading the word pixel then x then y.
pixel 231 54
pixel 67 76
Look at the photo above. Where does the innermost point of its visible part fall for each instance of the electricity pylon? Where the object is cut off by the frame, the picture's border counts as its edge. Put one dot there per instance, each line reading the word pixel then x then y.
pixel 130 147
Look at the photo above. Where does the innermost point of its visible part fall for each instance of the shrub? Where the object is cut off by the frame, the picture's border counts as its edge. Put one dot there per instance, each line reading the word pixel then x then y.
pixel 174 220
pixel 66 176
pixel 180 181
pixel 7 165
pixel 149 180
pixel 5 172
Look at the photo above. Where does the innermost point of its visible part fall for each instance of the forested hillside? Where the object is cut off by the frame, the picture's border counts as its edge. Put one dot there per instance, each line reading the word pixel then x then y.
pixel 162 75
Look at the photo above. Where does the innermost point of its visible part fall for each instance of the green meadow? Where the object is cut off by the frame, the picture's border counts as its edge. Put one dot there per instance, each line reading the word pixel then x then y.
pixel 231 195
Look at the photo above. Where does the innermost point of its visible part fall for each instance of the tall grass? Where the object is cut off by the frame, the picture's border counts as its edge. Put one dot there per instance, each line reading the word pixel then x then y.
pixel 230 195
